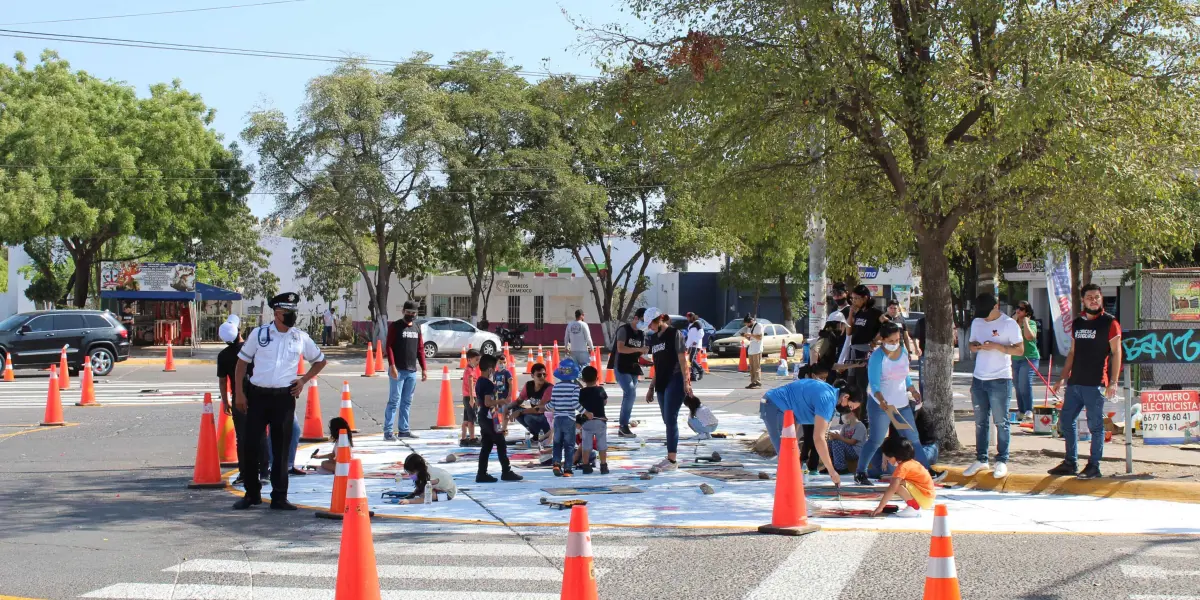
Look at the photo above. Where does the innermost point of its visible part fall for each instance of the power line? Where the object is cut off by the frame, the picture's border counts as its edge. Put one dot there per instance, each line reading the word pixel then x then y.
pixel 222 50
pixel 302 170
pixel 151 14
pixel 451 192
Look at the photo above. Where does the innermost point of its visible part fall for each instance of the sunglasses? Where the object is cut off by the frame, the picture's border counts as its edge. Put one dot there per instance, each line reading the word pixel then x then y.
pixel 539 374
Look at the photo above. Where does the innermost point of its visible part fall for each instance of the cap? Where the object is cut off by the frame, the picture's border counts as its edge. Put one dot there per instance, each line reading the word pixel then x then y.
pixel 836 317
pixel 286 301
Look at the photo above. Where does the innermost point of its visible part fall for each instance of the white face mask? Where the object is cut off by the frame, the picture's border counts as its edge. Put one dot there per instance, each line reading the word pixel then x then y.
pixel 891 347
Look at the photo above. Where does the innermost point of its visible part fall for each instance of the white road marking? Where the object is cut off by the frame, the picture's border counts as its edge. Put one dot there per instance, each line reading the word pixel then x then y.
pixel 822 566
pixel 450 549
pixel 166 591
pixel 1153 572
pixel 289 569
pixel 1144 597
pixel 1169 552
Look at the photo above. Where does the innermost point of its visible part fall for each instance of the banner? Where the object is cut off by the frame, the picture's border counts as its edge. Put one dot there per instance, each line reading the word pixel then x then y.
pixel 1185 300
pixel 134 276
pixel 1058 285
pixel 903 295
pixel 1163 346
pixel 1170 417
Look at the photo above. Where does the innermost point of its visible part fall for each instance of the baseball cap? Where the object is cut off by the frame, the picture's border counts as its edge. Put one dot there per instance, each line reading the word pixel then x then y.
pixel 836 317
pixel 648 317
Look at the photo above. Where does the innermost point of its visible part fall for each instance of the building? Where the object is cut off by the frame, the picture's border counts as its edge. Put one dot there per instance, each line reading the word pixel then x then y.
pixel 1031 285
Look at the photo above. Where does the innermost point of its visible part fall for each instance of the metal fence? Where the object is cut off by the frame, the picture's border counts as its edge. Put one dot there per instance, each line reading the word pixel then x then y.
pixel 1167 299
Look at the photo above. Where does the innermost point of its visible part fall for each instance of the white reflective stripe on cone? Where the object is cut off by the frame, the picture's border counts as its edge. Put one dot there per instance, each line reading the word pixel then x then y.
pixel 789 431
pixel 345 404
pixel 579 544
pixel 940 527
pixel 208 408
pixel 941 568
pixel 342 469
pixel 356 488
pixel 343 441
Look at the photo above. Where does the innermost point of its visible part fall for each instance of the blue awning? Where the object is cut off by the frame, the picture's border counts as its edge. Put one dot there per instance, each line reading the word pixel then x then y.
pixel 203 292
pixel 212 292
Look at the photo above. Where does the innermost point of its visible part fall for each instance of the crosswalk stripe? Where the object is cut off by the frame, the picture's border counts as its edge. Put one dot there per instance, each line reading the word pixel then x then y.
pixel 449 549
pixel 289 569
pixel 1154 572
pixel 809 565
pixel 168 591
pixel 1169 552
pixel 1145 597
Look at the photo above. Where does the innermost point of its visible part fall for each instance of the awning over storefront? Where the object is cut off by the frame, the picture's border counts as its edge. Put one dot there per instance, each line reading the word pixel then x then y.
pixel 203 292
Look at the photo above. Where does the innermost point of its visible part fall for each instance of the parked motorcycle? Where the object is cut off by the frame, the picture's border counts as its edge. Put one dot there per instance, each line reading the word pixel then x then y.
pixel 515 337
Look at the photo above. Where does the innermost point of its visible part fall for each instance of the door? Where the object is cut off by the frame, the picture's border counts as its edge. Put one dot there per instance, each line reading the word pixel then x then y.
pixel 463 335
pixel 69 331
pixel 772 339
pixel 37 343
pixel 440 333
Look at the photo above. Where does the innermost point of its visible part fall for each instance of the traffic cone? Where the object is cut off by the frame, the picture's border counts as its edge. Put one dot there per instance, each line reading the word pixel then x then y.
pixel 208 465
pixel 169 367
pixel 554 358
pixel 507 355
pixel 64 375
pixel 300 367
pixel 370 371
pixel 579 574
pixel 704 360
pixel 313 428
pixel 380 366
pixel 337 499
pixel 462 359
pixel 87 386
pixel 596 363
pixel 227 450
pixel 347 410
pixel 652 373
pixel 528 365
pixel 357 577
pixel 512 389
pixel 790 515
pixel 783 353
pixel 610 376
pixel 445 418
pixel 54 414
pixel 941 576
pixel 743 362
pixel 8 371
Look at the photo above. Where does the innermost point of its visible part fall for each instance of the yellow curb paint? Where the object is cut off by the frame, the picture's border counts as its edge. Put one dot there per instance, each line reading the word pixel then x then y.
pixel 16 598
pixel 39 428
pixel 1170 491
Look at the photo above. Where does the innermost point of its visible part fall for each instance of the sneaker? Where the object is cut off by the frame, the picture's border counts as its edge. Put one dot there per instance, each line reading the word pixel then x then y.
pixel 1028 416
pixel 407 434
pixel 704 436
pixel 1064 468
pixel 751 386
pixel 587 469
pixel 938 476
pixel 1001 470
pixel 1091 471
pixel 485 478
pixel 604 468
pixel 387 437
pixel 625 432
pixel 237 481
pixel 476 442
pixel 558 472
pixel 908 512
pixel 861 479
pixel 511 476
pixel 464 442
pixel 975 467
pixel 567 473
pixel 663 466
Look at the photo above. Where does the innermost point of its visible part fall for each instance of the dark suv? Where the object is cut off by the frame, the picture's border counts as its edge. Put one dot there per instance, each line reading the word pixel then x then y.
pixel 36 339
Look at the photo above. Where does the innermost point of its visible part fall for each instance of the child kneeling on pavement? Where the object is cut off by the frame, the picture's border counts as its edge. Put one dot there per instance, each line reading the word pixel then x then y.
pixel 910 480
pixel 595 426
pixel 421 474
pixel 702 420
pixel 490 427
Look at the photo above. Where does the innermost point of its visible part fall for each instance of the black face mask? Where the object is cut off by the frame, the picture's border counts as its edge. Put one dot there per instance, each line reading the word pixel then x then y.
pixel 289 319
pixel 1093 312
pixel 408 318
pixel 841 301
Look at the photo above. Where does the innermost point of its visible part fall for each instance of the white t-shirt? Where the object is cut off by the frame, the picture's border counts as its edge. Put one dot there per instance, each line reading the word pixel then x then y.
pixel 328 318
pixel 445 481
pixel 993 364
pixel 695 337
pixel 579 336
pixel 755 347
pixel 706 416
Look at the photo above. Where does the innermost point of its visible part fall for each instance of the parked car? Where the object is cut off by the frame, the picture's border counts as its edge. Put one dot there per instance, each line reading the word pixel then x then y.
pixel 680 322
pixel 731 328
pixel 444 335
pixel 35 340
pixel 775 337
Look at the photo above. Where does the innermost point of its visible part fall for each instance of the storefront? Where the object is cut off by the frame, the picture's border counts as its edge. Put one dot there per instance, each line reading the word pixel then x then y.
pixel 162 302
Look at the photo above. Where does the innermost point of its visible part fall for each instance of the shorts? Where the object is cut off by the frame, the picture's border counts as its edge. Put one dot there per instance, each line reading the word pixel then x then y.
pixel 920 501
pixel 599 429
pixel 469 413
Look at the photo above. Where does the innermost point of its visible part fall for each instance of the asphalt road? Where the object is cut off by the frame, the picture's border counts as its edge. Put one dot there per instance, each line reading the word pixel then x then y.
pixel 101 508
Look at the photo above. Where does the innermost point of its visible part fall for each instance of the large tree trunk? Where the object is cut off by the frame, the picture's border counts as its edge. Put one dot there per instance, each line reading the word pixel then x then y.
pixel 938 370
pixel 383 285
pixel 1076 281
pixel 83 277
pixel 988 257
pixel 789 320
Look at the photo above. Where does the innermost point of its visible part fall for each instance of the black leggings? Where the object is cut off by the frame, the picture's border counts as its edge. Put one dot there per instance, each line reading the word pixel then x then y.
pixel 489 437
pixel 808 450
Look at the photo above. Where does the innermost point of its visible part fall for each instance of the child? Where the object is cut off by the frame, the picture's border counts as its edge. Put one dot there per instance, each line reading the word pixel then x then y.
pixel 910 480
pixel 592 399
pixel 337 425
pixel 702 420
pixel 422 474
pixel 489 404
pixel 470 403
pixel 503 381
pixel 564 401
pixel 845 444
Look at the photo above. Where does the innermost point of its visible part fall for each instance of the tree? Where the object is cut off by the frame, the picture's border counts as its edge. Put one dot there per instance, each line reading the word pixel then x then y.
pixel 354 165
pixel 928 111
pixel 231 259
pixel 320 259
pixel 87 161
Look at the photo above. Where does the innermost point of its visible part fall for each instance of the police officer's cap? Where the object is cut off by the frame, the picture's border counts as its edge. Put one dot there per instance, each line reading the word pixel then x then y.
pixel 285 301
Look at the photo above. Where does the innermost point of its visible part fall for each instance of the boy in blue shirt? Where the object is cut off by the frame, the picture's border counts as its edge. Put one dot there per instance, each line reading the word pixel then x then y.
pixel 812 402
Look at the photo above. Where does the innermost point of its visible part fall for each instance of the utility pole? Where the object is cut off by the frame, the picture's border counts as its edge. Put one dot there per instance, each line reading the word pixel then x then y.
pixel 817 264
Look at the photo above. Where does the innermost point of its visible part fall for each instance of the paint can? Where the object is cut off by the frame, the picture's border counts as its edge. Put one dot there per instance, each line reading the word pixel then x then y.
pixel 1043 420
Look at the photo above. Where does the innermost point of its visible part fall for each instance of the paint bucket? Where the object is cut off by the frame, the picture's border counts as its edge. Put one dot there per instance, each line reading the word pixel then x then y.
pixel 1043 420
pixel 1014 416
pixel 1081 426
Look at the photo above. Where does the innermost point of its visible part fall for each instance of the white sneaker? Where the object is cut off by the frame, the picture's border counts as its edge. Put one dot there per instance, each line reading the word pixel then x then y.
pixel 908 512
pixel 663 466
pixel 975 467
pixel 1029 415
pixel 1001 470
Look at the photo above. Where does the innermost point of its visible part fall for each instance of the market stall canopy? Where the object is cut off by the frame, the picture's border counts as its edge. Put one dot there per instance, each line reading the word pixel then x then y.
pixel 203 292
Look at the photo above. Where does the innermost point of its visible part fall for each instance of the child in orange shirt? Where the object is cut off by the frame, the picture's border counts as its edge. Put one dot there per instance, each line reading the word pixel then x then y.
pixel 910 480
pixel 469 378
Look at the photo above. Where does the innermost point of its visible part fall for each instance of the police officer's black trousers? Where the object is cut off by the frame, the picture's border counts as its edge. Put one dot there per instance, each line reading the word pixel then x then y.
pixel 243 441
pixel 275 407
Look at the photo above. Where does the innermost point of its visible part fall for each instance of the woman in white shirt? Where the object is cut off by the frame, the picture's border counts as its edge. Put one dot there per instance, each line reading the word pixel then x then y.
pixel 890 385
pixel 695 341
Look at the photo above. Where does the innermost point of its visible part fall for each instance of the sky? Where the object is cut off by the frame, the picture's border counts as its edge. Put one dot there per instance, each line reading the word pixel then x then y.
pixel 526 31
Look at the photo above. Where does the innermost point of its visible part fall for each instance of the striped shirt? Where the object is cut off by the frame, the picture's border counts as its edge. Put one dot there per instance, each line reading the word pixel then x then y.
pixel 564 399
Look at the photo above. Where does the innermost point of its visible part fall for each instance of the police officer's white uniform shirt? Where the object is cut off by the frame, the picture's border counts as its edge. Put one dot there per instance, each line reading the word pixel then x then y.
pixel 275 362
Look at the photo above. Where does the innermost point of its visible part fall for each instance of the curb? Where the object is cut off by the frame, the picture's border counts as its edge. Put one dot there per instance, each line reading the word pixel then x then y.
pixel 1170 491
pixel 142 362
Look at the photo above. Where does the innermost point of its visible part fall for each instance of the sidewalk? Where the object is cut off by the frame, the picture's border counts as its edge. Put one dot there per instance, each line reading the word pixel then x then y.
pixel 1114 451
pixel 207 354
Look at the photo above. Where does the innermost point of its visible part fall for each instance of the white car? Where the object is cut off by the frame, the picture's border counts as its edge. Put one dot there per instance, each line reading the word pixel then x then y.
pixel 444 335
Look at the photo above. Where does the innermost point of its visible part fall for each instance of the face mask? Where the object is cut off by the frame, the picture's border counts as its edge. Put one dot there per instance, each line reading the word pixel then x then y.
pixel 642 326
pixel 891 347
pixel 289 319
pixel 1093 312
pixel 841 302
pixel 408 318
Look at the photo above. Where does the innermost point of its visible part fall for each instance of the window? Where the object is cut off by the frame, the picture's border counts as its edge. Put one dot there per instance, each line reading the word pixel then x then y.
pixel 539 312
pixel 40 324
pixel 12 322
pixel 514 310
pixel 441 326
pixel 458 307
pixel 96 322
pixel 66 322
pixel 461 327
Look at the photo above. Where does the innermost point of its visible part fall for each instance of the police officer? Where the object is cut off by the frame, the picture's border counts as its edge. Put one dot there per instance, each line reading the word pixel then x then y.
pixel 269 396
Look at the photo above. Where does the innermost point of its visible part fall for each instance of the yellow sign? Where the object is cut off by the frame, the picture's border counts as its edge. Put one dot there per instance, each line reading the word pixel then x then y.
pixel 1185 300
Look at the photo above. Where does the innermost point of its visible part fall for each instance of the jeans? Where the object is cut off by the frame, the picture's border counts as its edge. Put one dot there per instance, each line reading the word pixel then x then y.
pixel 698 427
pixel 840 453
pixel 878 431
pixel 292 445
pixel 670 401
pixel 1078 398
pixel 326 335
pixel 400 394
pixel 1023 382
pixel 772 419
pixel 990 396
pixel 628 385
pixel 536 425
pixel 582 358
pixel 931 453
pixel 564 440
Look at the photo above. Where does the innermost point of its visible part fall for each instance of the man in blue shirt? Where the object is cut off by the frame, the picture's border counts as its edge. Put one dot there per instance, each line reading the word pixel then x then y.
pixel 812 402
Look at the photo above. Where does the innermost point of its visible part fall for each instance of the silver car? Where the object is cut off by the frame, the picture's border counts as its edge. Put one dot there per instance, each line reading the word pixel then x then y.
pixel 444 335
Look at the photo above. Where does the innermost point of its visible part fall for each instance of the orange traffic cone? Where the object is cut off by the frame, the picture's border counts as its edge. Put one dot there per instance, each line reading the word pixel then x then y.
pixel 507 355
pixel 313 429
pixel 208 465
pixel 8 371
pixel 370 371
pixel 743 362
pixel 337 499
pixel 380 366
pixel 357 577
pixel 596 363
pixel 652 373
pixel 528 366
pixel 300 367
pixel 941 576
pixel 227 450
pixel 64 375
pixel 704 360
pixel 610 375
pixel 579 574
pixel 554 358
pixel 87 386
pixel 783 355
pixel 347 410
pixel 512 388
pixel 462 359
pixel 169 367
pixel 445 418
pixel 54 414
pixel 790 515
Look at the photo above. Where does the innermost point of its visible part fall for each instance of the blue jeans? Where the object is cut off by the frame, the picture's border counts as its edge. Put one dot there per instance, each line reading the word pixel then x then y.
pixel 877 431
pixel 536 425
pixel 628 385
pixel 990 397
pixel 931 453
pixel 292 445
pixel 400 394
pixel 840 453
pixel 772 419
pixel 564 440
pixel 1078 398
pixel 669 403
pixel 1023 382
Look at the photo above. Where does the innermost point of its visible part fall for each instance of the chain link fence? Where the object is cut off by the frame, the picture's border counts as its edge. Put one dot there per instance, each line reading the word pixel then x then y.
pixel 1169 299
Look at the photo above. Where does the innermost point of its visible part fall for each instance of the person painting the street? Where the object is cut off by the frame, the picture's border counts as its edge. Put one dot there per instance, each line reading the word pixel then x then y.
pixel 670 363
pixel 405 351
pixel 812 402
pixel 1090 373
pixel 1025 365
pixel 890 385
pixel 629 347
pixel 269 396
pixel 752 336
pixel 996 339
pixel 579 339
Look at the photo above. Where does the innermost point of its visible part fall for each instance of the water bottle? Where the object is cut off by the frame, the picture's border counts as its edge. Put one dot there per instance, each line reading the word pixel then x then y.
pixel 428 492
pixel 528 440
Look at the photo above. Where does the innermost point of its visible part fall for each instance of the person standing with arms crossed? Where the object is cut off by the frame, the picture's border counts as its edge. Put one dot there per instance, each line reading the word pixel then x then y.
pixel 752 333
pixel 269 396
pixel 579 340
pixel 405 350
pixel 1090 373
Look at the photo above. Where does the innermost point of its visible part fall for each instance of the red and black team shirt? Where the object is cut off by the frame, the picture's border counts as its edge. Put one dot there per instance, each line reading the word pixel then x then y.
pixel 1092 350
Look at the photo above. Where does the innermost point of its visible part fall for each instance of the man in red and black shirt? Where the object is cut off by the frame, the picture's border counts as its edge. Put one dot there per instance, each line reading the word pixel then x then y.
pixel 1091 373
pixel 405 350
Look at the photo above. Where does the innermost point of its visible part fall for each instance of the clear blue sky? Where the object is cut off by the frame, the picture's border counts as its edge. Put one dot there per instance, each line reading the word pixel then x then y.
pixel 527 31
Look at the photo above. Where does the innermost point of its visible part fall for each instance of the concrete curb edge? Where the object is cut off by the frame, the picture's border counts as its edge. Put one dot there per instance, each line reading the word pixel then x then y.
pixel 1170 491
